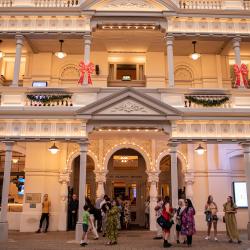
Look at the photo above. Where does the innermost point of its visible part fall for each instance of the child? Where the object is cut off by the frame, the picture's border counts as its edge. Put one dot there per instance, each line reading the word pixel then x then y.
pixel 85 225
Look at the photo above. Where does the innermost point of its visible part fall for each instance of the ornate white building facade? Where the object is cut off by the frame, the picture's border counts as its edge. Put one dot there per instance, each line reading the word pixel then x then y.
pixel 134 130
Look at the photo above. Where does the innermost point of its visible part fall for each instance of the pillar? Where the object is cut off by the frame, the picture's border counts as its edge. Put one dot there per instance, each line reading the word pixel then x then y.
pixel 189 175
pixel 87 44
pixel 236 47
pixel 82 187
pixel 63 210
pixel 5 192
pixel 246 150
pixel 170 60
pixel 174 174
pixel 19 45
pixel 100 180
pixel 153 179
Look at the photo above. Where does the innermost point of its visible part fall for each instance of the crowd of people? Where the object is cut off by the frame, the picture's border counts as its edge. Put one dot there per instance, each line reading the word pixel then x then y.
pixel 108 216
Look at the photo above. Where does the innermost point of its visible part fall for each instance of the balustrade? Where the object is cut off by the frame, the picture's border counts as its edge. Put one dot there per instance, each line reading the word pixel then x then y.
pixel 200 4
pixel 6 3
pixel 56 3
pixel 246 4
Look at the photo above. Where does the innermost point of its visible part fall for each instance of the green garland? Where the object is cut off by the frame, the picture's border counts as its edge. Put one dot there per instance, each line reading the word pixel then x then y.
pixel 207 102
pixel 47 99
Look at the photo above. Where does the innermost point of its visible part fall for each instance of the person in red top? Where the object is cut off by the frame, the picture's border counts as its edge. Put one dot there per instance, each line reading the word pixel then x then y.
pixel 167 213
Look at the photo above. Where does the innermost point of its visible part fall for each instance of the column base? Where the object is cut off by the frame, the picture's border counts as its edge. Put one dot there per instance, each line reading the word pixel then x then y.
pixel 248 230
pixel 4 231
pixel 78 232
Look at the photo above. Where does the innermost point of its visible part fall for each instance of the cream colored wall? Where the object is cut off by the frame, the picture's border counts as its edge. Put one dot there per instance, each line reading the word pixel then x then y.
pixel 42 176
pixel 210 71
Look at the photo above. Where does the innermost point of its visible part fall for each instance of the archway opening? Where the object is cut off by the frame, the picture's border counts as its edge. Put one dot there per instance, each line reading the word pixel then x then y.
pixel 165 178
pixel 127 179
pixel 17 180
pixel 90 178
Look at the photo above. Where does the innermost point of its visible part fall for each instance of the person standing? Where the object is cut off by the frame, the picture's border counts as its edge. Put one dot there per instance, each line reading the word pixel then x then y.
pixel 46 204
pixel 179 210
pixel 112 223
pixel 158 211
pixel 211 217
pixel 230 210
pixel 167 213
pixel 92 214
pixel 188 222
pixel 73 211
pixel 99 213
pixel 85 225
pixel 104 210
pixel 147 204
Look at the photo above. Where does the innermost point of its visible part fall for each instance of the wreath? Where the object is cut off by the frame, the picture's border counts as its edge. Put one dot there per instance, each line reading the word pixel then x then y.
pixel 205 102
pixel 49 99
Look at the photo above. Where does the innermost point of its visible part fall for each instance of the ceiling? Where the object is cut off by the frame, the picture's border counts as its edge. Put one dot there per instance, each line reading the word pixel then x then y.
pixel 127 41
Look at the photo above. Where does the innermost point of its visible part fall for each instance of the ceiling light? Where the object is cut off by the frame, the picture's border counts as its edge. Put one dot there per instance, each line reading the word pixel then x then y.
pixel 53 149
pixel 15 160
pixel 200 150
pixel 195 55
pixel 2 54
pixel 60 54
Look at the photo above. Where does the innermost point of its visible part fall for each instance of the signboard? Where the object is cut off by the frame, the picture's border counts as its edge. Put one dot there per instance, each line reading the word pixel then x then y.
pixel 240 194
pixel 33 198
pixel 39 84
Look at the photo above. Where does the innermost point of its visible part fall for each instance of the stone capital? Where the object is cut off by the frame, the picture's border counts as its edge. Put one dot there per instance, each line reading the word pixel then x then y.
pixel 83 146
pixel 8 145
pixel 169 39
pixel 246 147
pixel 87 38
pixel 19 39
pixel 173 146
pixel 153 176
pixel 100 176
pixel 236 41
pixel 189 178
pixel 64 176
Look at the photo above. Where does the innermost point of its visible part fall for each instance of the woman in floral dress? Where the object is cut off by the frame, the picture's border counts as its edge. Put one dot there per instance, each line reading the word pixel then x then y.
pixel 112 224
pixel 187 222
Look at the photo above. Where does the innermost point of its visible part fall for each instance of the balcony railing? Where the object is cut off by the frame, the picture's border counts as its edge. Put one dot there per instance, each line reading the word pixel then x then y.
pixel 56 3
pixel 201 4
pixel 246 4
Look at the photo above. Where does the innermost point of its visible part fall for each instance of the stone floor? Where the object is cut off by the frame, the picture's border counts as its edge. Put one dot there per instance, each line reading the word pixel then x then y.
pixel 128 240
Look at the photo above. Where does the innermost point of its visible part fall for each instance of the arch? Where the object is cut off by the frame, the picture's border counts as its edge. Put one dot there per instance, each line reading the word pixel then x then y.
pixel 69 72
pixel 180 156
pixel 136 147
pixel 73 155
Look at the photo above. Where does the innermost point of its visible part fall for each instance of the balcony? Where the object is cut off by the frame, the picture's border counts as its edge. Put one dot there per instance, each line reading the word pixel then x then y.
pixel 40 3
pixel 201 4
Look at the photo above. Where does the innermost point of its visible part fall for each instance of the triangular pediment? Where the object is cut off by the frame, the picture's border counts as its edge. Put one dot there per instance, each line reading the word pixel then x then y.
pixel 129 104
pixel 128 5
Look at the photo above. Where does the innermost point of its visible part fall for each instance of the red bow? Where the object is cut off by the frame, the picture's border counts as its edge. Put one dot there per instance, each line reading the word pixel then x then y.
pixel 241 71
pixel 86 68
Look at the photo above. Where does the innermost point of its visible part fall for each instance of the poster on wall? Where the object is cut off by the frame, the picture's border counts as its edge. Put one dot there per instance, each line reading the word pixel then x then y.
pixel 240 194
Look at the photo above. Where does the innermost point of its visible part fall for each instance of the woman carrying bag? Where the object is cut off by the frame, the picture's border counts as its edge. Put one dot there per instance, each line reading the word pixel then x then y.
pixel 165 221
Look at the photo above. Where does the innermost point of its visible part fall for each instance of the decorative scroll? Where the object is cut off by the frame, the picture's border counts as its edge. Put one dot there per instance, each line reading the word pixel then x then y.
pixel 86 68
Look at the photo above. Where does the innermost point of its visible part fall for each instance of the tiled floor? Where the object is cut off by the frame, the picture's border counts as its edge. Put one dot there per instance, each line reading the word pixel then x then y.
pixel 128 240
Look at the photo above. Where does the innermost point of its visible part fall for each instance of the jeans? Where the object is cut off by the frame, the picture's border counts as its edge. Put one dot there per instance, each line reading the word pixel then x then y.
pixel 45 216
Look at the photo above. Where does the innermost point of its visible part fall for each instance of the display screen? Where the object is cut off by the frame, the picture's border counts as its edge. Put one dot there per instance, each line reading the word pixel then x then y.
pixel 240 194
pixel 39 84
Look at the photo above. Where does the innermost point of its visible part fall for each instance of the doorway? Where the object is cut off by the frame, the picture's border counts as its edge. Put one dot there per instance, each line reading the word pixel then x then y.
pixel 127 178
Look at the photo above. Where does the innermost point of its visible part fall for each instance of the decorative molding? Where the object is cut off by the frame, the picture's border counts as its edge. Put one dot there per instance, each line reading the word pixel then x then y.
pixel 129 107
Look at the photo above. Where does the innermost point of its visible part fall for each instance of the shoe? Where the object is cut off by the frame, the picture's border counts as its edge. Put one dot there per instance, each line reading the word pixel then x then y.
pixel 230 241
pixel 38 231
pixel 158 238
pixel 215 238
pixel 178 242
pixel 104 235
pixel 82 244
pixel 239 241
pixel 96 238
pixel 207 238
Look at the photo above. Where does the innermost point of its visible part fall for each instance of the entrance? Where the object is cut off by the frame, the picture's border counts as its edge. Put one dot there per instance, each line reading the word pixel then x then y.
pixel 127 179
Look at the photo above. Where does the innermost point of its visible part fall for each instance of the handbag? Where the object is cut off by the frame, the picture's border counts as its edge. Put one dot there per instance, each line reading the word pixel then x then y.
pixel 164 224
pixel 208 216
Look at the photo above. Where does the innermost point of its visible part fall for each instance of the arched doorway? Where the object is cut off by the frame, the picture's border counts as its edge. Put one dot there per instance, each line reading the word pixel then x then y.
pixel 90 178
pixel 127 177
pixel 165 177
pixel 17 181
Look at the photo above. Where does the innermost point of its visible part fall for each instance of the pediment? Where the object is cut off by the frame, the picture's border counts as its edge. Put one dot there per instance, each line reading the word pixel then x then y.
pixel 128 5
pixel 129 104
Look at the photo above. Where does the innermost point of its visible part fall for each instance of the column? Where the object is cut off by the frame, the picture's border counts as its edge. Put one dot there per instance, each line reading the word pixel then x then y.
pixel 236 47
pixel 174 174
pixel 153 179
pixel 5 192
pixel 82 187
pixel 170 59
pixel 100 180
pixel 189 175
pixel 246 150
pixel 63 180
pixel 87 44
pixel 19 45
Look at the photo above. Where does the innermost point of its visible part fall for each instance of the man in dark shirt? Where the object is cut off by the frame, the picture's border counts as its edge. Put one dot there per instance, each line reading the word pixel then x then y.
pixel 73 211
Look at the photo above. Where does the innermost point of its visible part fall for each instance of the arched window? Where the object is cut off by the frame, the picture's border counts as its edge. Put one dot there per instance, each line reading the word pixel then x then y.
pixel 183 76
